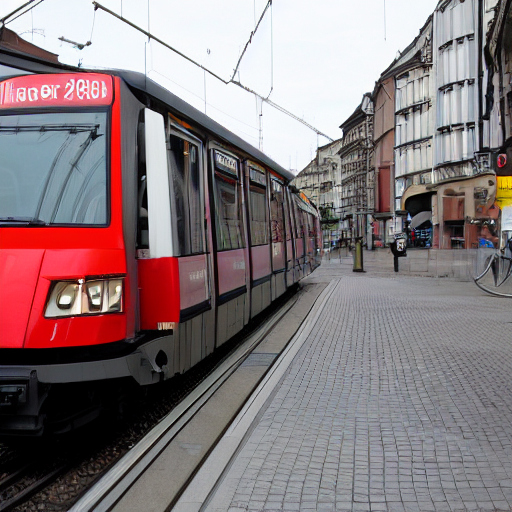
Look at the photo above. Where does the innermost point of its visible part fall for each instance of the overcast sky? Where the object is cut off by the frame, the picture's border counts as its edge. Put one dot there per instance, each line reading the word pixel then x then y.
pixel 318 57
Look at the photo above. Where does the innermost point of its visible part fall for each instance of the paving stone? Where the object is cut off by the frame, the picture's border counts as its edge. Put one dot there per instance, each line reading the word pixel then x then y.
pixel 501 505
pixel 291 507
pixel 399 400
pixel 378 507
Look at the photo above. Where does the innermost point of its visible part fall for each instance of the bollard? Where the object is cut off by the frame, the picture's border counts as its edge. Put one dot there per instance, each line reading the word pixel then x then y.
pixel 358 256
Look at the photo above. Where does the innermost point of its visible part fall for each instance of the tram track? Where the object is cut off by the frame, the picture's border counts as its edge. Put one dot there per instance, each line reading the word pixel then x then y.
pixel 112 486
pixel 28 468
pixel 20 485
pixel 92 475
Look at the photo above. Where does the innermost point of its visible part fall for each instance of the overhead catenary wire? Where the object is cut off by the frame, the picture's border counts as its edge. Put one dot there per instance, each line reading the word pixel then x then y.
pixel 18 9
pixel 215 75
pixel 209 104
pixel 269 3
pixel 158 40
pixel 163 43
pixel 384 20
pixel 271 51
pixel 94 21
pixel 283 110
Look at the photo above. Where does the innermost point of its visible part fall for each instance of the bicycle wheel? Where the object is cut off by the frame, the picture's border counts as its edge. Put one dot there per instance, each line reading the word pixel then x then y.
pixel 492 273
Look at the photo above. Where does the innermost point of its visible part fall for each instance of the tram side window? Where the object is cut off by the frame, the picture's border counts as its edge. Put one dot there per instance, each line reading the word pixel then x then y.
pixel 304 220
pixel 287 220
pixel 276 212
pixel 312 226
pixel 186 182
pixel 298 220
pixel 307 225
pixel 229 232
pixel 142 201
pixel 259 224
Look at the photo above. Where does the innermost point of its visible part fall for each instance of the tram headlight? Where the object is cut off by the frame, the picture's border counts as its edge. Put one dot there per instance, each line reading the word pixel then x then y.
pixel 115 295
pixel 85 297
pixel 66 297
pixel 94 291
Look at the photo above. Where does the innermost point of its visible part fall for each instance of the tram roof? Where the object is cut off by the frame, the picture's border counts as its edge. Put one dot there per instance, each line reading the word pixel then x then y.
pixel 26 61
pixel 140 82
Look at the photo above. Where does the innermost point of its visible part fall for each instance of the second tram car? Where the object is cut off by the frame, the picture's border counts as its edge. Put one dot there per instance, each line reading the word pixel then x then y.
pixel 136 236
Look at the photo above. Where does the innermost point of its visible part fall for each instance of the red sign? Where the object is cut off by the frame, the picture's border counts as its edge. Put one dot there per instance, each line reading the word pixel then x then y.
pixel 56 90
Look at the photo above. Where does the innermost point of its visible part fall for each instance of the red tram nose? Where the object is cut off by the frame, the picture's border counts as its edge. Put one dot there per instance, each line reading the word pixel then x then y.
pixel 36 310
pixel 19 272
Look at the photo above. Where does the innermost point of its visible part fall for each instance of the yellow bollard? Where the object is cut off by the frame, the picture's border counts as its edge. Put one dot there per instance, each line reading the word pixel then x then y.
pixel 358 255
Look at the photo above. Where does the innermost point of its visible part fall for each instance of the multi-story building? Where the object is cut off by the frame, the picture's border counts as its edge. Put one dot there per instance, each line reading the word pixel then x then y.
pixel 431 130
pixel 357 174
pixel 383 134
pixel 414 133
pixel 462 185
pixel 497 115
pixel 403 132
pixel 320 181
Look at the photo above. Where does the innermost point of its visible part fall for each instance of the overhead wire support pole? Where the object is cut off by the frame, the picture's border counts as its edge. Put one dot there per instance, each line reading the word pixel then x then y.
pixel 226 82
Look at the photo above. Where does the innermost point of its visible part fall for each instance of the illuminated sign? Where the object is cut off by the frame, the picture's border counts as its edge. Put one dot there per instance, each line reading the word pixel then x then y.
pixel 504 191
pixel 56 90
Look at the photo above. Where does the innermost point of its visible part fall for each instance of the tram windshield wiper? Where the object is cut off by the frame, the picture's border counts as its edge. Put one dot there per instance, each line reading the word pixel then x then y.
pixel 73 129
pixel 27 221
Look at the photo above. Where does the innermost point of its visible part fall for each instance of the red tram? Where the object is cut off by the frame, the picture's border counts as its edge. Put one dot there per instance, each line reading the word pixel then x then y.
pixel 136 236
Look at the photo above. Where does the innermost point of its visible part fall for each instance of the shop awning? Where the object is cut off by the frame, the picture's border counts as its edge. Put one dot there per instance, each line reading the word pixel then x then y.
pixel 420 218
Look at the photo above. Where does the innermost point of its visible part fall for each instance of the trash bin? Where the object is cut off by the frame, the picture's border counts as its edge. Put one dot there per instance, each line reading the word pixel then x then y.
pixel 358 255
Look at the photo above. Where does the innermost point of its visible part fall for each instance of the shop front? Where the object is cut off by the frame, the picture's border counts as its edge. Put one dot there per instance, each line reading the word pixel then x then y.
pixel 417 203
pixel 466 212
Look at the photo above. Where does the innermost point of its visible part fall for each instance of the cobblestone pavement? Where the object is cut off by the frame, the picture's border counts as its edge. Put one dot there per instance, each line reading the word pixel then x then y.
pixel 400 400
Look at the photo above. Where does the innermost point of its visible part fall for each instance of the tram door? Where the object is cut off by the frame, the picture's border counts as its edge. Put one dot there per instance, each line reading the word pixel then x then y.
pixel 259 237
pixel 187 179
pixel 290 270
pixel 278 237
pixel 230 245
pixel 174 277
pixel 298 238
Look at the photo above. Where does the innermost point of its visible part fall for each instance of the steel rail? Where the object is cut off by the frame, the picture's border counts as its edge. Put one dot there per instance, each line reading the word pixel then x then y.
pixel 31 489
pixel 7 481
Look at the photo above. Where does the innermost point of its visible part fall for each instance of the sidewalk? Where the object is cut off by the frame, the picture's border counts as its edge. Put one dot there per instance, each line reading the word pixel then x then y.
pixel 456 264
pixel 400 399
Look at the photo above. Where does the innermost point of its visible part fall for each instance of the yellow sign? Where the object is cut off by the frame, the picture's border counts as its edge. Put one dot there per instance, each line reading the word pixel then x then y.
pixel 504 191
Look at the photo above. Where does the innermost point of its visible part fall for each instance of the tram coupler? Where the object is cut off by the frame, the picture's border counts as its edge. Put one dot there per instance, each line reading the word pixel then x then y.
pixel 21 399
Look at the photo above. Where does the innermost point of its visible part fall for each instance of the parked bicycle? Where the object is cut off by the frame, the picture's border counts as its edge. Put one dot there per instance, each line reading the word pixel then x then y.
pixel 494 266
